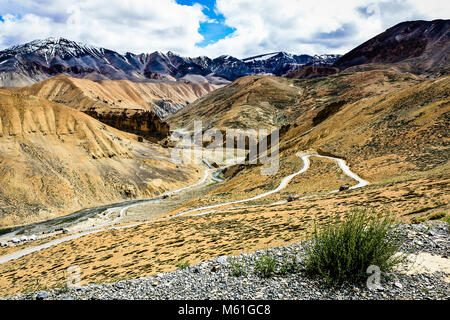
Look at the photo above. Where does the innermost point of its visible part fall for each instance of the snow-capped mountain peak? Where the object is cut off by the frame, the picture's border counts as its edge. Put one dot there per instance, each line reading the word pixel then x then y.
pixel 40 59
pixel 52 47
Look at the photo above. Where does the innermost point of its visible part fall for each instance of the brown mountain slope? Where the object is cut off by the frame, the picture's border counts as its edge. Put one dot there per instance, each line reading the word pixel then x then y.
pixel 270 102
pixel 391 134
pixel 125 105
pixel 414 46
pixel 248 101
pixel 419 47
pixel 110 95
pixel 309 72
pixel 55 160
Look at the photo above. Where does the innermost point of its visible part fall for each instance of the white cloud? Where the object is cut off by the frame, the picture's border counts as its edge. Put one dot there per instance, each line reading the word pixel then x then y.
pixel 318 26
pixel 136 26
pixel 297 26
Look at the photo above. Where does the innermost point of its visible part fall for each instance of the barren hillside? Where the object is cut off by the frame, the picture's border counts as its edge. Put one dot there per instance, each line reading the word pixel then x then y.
pixel 129 106
pixel 420 47
pixel 270 102
pixel 161 97
pixel 391 129
pixel 55 160
pixel 388 126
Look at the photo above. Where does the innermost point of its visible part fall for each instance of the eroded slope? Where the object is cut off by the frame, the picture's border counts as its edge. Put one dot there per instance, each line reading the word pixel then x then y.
pixel 55 160
pixel 257 102
pixel 135 107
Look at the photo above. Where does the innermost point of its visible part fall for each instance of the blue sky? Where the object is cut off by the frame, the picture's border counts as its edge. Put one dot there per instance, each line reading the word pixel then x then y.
pixel 213 30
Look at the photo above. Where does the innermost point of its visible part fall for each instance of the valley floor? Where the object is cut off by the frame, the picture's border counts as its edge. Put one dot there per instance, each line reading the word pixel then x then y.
pixel 425 275
pixel 160 246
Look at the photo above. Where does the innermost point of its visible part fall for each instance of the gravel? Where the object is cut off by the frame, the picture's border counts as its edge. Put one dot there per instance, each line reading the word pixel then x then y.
pixel 214 280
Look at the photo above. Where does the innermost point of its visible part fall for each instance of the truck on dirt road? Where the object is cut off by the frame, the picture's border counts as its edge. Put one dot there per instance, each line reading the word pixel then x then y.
pixel 293 198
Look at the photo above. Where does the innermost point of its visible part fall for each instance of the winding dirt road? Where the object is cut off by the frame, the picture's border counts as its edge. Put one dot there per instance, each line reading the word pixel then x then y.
pixel 284 182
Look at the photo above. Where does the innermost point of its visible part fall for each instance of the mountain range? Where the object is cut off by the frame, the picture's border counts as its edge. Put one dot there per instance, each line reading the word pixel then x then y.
pixel 413 46
pixel 419 47
pixel 82 126
pixel 40 59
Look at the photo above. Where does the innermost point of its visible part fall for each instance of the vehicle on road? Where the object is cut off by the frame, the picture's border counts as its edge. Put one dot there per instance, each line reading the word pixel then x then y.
pixel 293 198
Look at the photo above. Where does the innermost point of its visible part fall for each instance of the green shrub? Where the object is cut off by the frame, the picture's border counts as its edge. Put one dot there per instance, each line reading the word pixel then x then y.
pixel 430 217
pixel 237 267
pixel 182 264
pixel 265 265
pixel 289 265
pixel 436 216
pixel 342 251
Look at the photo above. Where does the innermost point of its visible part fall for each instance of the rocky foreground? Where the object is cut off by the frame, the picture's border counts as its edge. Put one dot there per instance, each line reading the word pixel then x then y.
pixel 237 277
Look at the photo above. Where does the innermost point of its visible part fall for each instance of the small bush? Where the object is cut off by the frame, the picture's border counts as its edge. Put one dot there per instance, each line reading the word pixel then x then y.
pixel 63 288
pixel 182 264
pixel 289 265
pixel 265 265
pixel 342 252
pixel 430 217
pixel 237 267
pixel 436 216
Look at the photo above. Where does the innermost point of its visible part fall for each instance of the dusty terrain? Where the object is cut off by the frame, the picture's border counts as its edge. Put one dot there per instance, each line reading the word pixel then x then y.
pixel 161 97
pixel 56 160
pixel 424 275
pixel 384 136
pixel 135 107
pixel 265 102
pixel 159 246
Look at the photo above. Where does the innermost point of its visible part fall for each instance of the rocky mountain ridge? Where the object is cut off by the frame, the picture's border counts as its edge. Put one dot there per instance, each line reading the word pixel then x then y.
pixel 419 47
pixel 38 60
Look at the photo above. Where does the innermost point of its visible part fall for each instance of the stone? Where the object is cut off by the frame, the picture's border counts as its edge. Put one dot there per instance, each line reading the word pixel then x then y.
pixel 41 295
pixel 119 286
pixel 215 268
pixel 222 259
